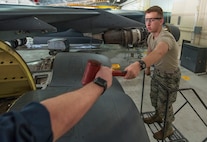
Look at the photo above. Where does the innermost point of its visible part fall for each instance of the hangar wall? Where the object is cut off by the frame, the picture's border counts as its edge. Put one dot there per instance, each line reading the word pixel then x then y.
pixel 191 18
pixel 144 4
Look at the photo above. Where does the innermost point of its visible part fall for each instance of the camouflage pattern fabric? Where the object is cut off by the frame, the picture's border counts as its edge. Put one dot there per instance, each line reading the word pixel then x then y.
pixel 161 83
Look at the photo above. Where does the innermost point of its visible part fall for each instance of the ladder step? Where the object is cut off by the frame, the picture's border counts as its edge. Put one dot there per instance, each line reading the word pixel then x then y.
pixel 177 135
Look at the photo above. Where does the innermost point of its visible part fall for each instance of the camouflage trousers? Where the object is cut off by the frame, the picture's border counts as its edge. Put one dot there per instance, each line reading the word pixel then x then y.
pixel 161 83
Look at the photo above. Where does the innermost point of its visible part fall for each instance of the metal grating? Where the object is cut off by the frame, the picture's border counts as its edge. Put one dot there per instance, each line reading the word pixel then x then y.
pixel 177 135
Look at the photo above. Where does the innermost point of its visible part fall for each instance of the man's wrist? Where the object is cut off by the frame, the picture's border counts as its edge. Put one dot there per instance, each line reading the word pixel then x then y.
pixel 101 82
pixel 142 64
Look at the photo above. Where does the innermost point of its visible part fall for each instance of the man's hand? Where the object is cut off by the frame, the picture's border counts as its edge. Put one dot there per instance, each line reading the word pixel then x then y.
pixel 147 72
pixel 132 70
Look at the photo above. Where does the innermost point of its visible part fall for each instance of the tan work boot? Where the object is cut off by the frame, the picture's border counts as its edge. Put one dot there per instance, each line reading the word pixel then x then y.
pixel 159 135
pixel 152 119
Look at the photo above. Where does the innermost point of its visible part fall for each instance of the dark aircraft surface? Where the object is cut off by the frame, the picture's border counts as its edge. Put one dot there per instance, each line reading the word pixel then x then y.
pixel 114 117
pixel 18 21
pixel 73 37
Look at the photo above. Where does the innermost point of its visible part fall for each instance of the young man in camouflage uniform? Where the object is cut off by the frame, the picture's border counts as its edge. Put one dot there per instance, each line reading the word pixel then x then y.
pixel 163 54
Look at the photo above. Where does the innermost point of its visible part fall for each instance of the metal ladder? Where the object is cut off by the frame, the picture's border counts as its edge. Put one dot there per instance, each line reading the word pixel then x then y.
pixel 177 136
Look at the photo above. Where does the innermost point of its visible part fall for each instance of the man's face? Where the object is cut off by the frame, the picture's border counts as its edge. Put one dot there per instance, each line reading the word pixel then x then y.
pixel 153 22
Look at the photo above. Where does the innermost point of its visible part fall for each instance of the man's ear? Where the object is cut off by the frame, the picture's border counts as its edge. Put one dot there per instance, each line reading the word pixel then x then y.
pixel 162 21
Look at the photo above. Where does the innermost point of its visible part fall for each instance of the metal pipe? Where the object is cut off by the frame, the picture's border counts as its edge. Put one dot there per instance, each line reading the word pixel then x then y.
pixel 134 36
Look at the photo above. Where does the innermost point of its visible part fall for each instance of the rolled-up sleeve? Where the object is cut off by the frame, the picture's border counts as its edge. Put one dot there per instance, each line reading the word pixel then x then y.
pixel 31 124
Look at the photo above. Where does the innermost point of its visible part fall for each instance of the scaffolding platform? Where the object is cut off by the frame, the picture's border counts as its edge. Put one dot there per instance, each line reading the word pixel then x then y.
pixel 177 135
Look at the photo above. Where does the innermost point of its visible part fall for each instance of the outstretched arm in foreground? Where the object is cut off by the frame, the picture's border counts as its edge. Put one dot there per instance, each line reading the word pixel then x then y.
pixel 154 56
pixel 67 109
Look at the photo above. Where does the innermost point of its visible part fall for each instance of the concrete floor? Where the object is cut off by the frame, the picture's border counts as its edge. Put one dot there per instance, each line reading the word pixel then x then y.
pixel 186 121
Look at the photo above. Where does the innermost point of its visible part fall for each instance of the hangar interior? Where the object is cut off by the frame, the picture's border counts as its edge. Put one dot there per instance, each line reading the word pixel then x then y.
pixel 191 18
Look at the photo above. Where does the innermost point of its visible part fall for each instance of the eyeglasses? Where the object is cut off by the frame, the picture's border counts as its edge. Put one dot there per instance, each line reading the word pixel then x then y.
pixel 151 19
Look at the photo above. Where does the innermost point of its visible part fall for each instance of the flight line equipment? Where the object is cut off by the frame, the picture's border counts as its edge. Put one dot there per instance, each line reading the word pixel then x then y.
pixel 92 68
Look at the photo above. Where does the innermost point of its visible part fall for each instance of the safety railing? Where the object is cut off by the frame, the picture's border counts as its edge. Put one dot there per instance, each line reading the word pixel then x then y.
pixel 177 136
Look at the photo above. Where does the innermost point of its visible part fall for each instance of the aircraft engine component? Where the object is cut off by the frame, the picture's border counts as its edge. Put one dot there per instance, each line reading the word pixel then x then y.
pixel 15 76
pixel 17 42
pixel 125 36
pixel 58 45
pixel 135 36
pixel 173 30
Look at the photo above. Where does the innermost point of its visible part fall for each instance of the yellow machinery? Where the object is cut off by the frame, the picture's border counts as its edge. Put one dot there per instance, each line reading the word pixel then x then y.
pixel 98 5
pixel 15 76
